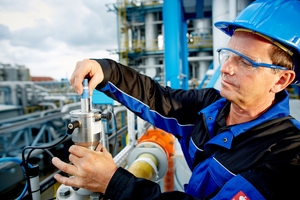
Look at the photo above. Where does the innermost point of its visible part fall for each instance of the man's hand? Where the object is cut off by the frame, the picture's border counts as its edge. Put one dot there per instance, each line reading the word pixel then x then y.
pixel 86 69
pixel 91 170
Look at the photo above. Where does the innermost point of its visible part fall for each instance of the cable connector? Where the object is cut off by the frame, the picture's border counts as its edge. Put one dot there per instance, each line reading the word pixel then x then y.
pixel 72 126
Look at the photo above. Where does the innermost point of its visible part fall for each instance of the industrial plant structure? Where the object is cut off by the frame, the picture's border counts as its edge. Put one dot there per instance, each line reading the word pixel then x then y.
pixel 172 41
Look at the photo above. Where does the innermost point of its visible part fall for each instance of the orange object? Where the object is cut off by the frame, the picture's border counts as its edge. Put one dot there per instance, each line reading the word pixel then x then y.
pixel 160 137
pixel 169 177
pixel 166 141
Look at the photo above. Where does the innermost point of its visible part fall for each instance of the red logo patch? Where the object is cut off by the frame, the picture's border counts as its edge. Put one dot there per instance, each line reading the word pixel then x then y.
pixel 240 196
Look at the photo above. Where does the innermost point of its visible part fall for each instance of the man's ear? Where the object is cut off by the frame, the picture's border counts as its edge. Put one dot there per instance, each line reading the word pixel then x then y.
pixel 286 77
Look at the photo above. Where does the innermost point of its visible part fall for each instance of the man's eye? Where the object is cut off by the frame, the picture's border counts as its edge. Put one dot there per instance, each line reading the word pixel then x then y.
pixel 244 62
pixel 226 57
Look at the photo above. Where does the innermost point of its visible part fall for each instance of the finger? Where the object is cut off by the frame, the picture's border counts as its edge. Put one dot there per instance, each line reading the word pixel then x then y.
pixel 104 150
pixel 81 71
pixel 79 151
pixel 72 79
pixel 96 75
pixel 75 160
pixel 99 147
pixel 67 168
pixel 66 180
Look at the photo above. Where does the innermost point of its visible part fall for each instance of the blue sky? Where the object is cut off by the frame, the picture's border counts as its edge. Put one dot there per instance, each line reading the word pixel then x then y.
pixel 50 36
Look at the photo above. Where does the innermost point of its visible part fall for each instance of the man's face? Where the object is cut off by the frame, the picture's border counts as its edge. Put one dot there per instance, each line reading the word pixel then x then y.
pixel 248 87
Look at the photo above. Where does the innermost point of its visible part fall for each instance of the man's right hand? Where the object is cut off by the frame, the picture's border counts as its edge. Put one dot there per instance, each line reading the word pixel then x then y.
pixel 86 68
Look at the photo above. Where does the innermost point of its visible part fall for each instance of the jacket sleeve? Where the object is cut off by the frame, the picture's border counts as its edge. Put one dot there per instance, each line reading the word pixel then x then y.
pixel 174 111
pixel 125 185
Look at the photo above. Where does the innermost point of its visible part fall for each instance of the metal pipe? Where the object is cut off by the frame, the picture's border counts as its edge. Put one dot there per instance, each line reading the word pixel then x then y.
pixel 200 58
pixel 25 124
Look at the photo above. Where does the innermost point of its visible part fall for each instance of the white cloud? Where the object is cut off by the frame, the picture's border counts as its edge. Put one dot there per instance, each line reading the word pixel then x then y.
pixel 50 36
pixel 16 17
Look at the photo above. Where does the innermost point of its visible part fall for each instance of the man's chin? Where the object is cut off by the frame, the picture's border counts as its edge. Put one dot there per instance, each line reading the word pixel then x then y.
pixel 226 93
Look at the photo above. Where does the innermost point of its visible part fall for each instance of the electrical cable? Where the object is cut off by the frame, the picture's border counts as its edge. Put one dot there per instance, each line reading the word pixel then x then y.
pixel 40 147
pixel 18 161
pixel 25 162
pixel 115 131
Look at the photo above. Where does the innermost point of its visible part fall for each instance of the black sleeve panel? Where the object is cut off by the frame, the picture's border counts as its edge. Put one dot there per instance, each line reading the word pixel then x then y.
pixel 125 185
pixel 107 71
pixel 183 105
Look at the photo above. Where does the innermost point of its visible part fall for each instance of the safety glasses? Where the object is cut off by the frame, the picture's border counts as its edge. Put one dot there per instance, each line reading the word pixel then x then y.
pixel 242 61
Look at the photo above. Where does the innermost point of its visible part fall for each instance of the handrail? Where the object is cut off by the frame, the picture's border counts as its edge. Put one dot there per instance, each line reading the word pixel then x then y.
pixel 24 124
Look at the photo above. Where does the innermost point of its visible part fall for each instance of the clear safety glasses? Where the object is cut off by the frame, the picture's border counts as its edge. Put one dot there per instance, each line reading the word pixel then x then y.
pixel 242 61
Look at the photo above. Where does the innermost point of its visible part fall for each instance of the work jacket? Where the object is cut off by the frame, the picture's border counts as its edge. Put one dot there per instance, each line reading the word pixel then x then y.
pixel 259 159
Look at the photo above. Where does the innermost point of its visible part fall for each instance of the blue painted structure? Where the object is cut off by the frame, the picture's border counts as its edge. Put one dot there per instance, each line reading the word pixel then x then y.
pixel 101 98
pixel 175 17
pixel 172 10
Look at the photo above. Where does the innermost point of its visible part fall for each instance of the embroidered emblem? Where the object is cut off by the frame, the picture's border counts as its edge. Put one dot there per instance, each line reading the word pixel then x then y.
pixel 240 196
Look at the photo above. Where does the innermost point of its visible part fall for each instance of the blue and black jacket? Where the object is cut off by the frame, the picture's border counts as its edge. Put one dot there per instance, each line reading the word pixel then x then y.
pixel 259 159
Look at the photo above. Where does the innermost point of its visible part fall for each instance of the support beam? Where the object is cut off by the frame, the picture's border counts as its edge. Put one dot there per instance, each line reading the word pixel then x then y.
pixel 172 19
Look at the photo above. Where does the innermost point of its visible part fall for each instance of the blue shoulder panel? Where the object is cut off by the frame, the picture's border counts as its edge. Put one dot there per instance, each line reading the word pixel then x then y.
pixel 141 109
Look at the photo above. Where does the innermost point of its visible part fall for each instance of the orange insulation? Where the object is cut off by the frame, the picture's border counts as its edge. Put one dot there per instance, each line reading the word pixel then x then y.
pixel 169 177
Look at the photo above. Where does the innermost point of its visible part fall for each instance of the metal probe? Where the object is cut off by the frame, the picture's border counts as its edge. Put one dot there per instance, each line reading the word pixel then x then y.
pixel 85 98
pixel 86 123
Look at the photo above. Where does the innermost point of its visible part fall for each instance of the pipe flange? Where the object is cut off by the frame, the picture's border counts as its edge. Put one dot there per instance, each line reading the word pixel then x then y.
pixel 155 150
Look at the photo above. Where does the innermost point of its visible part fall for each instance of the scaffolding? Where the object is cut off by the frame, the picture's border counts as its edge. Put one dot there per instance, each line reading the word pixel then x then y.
pixel 141 38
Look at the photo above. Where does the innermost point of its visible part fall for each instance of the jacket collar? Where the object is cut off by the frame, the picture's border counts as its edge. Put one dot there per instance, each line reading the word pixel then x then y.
pixel 279 109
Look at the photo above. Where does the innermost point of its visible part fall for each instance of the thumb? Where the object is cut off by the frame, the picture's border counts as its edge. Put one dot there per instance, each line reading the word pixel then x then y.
pixel 96 75
pixel 101 148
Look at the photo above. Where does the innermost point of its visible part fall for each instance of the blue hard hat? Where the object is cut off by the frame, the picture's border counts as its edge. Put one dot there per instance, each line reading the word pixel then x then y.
pixel 279 20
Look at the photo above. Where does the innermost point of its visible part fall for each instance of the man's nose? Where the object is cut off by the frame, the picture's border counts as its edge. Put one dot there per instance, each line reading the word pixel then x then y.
pixel 227 67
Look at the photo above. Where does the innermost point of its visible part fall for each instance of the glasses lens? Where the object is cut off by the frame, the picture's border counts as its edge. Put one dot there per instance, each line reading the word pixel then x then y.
pixel 223 56
pixel 238 60
pixel 241 61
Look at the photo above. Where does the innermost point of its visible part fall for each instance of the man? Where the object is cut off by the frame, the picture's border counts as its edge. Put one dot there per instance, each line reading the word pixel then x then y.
pixel 239 142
